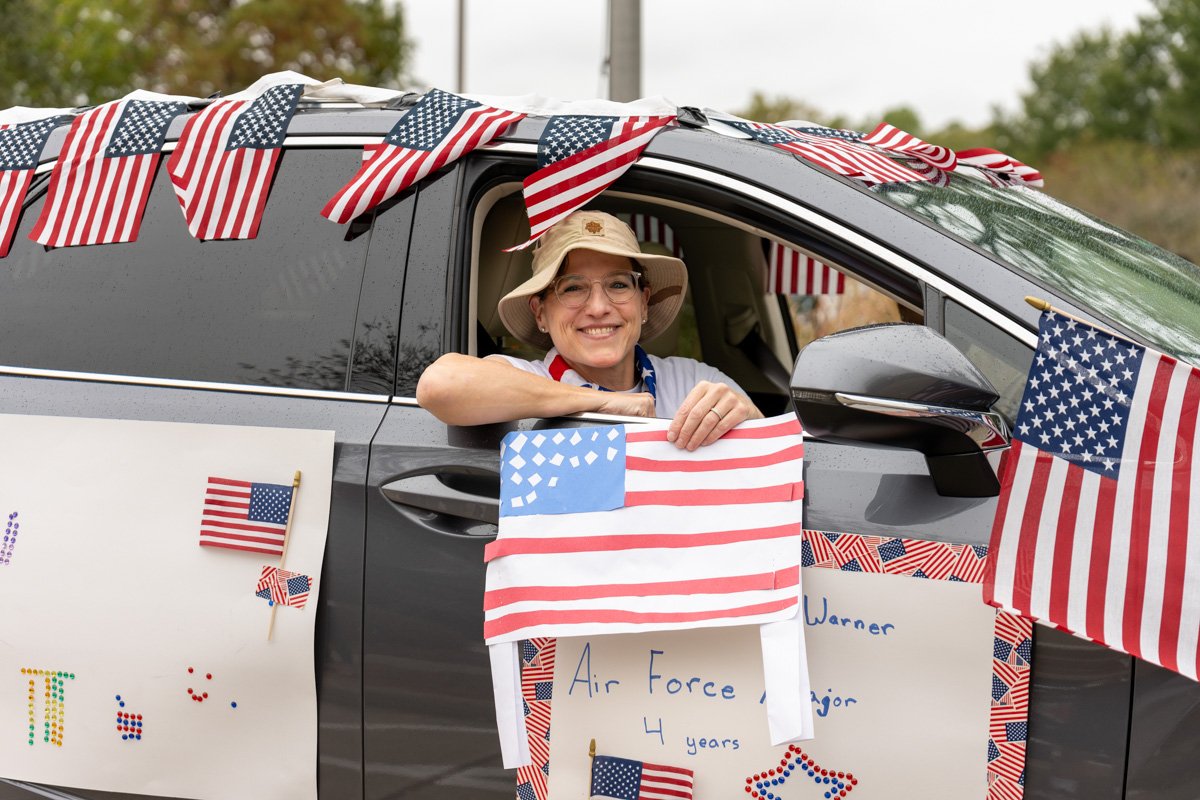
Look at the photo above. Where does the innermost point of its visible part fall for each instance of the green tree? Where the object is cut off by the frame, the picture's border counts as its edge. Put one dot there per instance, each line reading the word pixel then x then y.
pixel 76 52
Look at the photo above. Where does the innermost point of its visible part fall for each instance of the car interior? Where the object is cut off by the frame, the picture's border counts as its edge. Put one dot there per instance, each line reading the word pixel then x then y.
pixel 731 319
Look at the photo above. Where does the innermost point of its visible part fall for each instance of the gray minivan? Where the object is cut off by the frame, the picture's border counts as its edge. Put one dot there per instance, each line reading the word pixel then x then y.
pixel 317 325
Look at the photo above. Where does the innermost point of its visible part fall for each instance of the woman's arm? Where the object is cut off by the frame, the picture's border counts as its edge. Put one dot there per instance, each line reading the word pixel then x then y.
pixel 464 390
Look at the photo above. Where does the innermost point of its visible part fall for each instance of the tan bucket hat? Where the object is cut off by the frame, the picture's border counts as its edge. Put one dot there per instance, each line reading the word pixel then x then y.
pixel 604 233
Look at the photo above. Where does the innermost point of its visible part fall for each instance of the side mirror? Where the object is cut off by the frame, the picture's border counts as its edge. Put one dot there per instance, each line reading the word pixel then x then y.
pixel 905 386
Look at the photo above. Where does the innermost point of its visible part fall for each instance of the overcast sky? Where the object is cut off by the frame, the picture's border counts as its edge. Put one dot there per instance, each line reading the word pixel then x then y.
pixel 948 59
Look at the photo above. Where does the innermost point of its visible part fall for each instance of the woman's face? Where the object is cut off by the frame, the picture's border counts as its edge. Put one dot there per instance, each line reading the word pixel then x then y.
pixel 600 334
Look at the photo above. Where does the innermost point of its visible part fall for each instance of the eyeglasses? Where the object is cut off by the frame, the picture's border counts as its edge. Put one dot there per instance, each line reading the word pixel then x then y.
pixel 574 291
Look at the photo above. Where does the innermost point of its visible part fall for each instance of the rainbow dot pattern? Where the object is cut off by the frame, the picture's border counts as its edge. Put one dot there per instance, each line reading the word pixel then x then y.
pixel 54 694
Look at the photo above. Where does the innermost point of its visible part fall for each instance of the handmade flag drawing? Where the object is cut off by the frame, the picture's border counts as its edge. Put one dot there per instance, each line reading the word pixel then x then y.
pixel 613 529
pixel 105 171
pixel 579 156
pixel 242 515
pixel 226 157
pixel 649 228
pixel 439 129
pixel 995 161
pixel 791 272
pixel 283 587
pixel 593 519
pixel 624 779
pixel 1094 528
pixel 839 151
pixel 20 148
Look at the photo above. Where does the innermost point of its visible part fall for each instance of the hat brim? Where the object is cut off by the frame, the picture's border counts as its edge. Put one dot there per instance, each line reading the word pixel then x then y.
pixel 666 276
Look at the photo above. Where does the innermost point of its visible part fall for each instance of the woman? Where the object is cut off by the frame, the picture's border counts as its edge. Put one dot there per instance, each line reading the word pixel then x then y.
pixel 593 295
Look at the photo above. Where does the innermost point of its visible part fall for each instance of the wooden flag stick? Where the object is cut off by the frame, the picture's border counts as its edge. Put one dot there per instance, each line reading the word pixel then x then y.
pixel 591 765
pixel 1043 305
pixel 287 535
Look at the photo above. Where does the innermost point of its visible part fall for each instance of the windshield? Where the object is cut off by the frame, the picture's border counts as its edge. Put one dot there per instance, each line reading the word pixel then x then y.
pixel 1102 268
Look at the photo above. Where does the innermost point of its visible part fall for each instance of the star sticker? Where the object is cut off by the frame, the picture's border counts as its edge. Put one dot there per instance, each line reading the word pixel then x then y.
pixel 763 785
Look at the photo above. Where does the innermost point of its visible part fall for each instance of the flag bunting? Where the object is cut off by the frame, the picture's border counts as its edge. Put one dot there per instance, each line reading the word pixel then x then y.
pixel 104 172
pixel 225 160
pixel 21 147
pixel 579 156
pixel 441 128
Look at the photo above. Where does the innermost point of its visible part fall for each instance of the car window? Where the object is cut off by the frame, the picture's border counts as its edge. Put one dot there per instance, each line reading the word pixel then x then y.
pixel 277 310
pixel 1002 359
pixel 856 304
pixel 1144 287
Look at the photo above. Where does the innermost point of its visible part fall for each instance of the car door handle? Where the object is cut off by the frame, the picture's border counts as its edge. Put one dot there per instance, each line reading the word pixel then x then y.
pixel 457 491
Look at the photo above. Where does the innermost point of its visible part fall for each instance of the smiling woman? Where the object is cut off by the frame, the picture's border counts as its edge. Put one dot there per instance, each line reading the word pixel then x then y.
pixel 593 295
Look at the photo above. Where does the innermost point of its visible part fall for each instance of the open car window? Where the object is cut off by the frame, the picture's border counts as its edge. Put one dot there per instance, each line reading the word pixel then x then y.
pixel 735 316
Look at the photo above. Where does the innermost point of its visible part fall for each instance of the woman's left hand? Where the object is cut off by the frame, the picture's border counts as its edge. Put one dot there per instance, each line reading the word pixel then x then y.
pixel 708 413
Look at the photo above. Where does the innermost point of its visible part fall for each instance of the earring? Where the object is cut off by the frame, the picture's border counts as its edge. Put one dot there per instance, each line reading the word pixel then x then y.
pixel 543 330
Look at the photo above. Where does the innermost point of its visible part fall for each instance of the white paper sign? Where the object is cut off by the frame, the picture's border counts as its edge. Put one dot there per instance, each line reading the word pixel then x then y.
pixel 901 672
pixel 131 658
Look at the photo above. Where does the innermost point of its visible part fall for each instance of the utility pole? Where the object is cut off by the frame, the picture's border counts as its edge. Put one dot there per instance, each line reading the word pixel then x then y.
pixel 461 82
pixel 624 50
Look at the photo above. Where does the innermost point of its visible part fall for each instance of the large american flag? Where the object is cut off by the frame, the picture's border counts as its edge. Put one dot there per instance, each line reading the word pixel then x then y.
pixel 20 148
pixel 225 160
pixel 1093 530
pixel 104 173
pixel 791 272
pixel 840 151
pixel 995 161
pixel 579 156
pixel 440 128
pixel 624 779
pixel 242 515
pixel 612 529
pixel 890 138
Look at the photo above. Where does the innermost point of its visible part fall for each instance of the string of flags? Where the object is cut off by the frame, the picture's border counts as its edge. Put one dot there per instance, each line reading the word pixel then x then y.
pixel 224 162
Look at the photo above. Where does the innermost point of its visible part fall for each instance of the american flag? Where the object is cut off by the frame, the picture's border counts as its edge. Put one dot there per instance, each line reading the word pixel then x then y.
pixel 839 151
pixel 20 148
pixel 1093 528
pixel 791 272
pixel 612 529
pixel 624 779
pixel 892 139
pixel 440 128
pixel 994 160
pixel 650 229
pixel 248 516
pixel 283 587
pixel 225 160
pixel 104 173
pixel 579 156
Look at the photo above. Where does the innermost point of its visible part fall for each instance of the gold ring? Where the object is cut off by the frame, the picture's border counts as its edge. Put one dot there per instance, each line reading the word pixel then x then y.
pixel 718 413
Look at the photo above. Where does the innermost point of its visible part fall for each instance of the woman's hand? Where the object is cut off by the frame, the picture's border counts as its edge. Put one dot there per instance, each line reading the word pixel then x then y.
pixel 708 413
pixel 637 404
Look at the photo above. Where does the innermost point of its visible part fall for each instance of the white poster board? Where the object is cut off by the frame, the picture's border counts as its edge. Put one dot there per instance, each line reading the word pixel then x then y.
pixel 902 688
pixel 132 659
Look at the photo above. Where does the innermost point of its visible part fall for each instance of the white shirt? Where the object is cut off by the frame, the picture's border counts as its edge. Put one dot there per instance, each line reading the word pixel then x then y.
pixel 675 378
